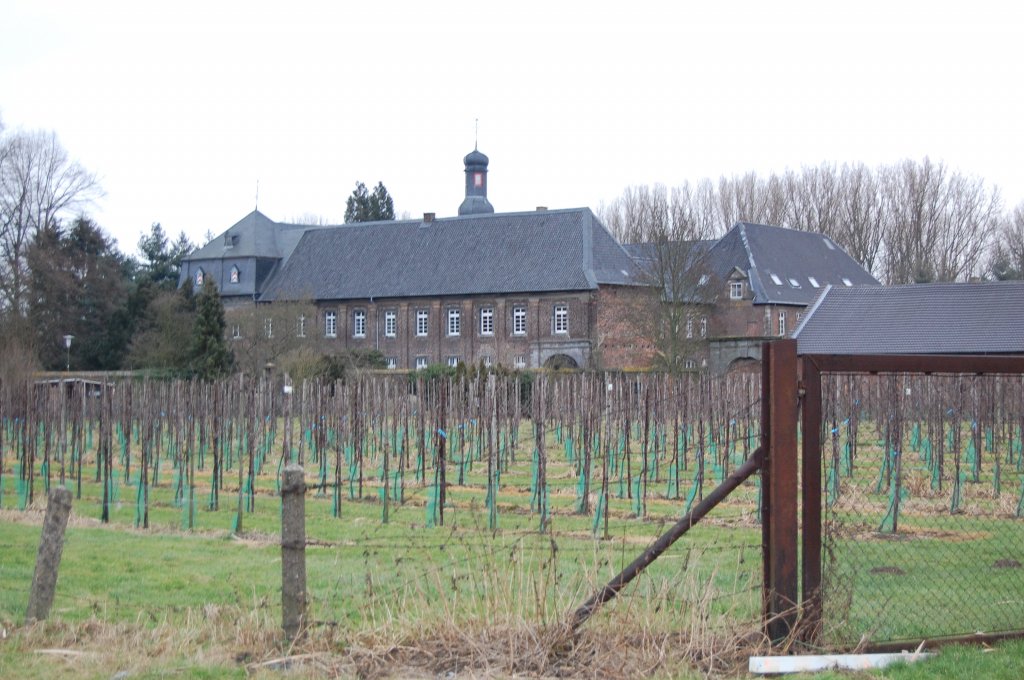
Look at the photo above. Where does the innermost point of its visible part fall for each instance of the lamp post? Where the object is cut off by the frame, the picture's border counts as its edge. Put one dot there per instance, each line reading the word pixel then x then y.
pixel 67 346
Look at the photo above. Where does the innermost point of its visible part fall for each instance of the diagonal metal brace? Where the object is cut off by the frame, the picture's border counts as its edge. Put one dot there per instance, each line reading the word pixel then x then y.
pixel 717 495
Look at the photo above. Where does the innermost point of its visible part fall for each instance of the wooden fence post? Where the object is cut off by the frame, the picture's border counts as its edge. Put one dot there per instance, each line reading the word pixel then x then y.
pixel 44 580
pixel 293 550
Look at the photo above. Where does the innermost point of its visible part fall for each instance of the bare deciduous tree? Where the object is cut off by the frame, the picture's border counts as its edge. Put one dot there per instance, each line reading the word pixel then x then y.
pixel 39 183
pixel 669 235
pixel 1007 259
pixel 911 221
pixel 262 334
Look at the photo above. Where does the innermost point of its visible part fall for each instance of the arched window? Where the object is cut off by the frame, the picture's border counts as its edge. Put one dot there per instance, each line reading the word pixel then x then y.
pixel 199 277
pixel 235 274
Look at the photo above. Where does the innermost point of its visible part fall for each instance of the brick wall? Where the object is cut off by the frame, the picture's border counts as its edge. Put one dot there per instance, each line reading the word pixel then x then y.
pixel 618 335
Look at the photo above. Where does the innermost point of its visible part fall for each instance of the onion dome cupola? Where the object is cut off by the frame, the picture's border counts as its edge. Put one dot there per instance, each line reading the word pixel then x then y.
pixel 476 185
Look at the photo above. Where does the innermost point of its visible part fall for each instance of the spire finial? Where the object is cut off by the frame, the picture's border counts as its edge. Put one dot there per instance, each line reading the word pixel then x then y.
pixel 257 194
pixel 476 135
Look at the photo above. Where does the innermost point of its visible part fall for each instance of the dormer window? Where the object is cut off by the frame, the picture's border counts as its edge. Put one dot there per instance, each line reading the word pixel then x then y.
pixel 736 290
pixel 199 277
pixel 235 275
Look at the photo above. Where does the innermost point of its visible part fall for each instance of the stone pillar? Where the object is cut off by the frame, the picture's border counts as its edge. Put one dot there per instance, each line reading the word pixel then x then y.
pixel 44 580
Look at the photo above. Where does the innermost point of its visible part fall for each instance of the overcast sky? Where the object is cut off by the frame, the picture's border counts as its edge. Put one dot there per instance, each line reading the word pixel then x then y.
pixel 182 107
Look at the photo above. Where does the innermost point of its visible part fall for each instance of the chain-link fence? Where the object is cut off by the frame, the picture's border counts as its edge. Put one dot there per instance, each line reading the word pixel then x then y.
pixel 922 506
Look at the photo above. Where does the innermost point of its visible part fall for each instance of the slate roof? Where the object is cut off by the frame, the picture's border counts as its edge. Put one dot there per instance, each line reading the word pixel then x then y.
pixel 255 235
pixel 538 251
pixel 933 318
pixel 794 257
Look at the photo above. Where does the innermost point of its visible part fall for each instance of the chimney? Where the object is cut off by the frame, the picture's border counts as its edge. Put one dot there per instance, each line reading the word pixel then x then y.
pixel 428 217
pixel 541 208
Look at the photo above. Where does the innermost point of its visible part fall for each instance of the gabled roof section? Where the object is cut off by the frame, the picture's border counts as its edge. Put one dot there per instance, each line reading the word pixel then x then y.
pixel 496 253
pixel 786 266
pixel 933 318
pixel 255 235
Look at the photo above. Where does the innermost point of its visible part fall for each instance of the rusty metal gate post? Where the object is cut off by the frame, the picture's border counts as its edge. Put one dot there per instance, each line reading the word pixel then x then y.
pixel 810 484
pixel 779 487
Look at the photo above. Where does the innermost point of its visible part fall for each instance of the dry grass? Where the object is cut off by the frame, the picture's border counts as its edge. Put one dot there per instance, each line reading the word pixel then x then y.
pixel 232 637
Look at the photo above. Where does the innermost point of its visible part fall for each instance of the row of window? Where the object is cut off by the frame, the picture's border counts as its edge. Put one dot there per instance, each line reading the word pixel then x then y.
pixel 233 277
pixel 423 361
pixel 703 327
pixel 559 323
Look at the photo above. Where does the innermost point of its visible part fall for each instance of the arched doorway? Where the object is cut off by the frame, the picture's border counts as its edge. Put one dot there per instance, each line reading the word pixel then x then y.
pixel 561 362
pixel 744 365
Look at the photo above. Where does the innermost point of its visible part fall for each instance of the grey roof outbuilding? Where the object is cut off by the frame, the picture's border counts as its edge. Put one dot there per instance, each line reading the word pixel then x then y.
pixel 936 318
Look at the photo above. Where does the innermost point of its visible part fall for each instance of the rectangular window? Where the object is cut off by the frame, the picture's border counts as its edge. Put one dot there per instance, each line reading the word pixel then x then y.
pixel 422 318
pixel 689 327
pixel 519 320
pixel 392 362
pixel 782 323
pixel 736 290
pixel 453 361
pixel 487 321
pixel 520 361
pixel 359 324
pixel 703 326
pixel 421 363
pixel 767 321
pixel 561 320
pixel 236 332
pixel 330 324
pixel 454 323
pixel 690 364
pixel 487 360
pixel 300 326
pixel 390 324
pixel 268 327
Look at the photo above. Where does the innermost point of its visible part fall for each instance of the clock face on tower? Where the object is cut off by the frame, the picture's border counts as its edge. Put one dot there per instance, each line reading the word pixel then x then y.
pixel 478 179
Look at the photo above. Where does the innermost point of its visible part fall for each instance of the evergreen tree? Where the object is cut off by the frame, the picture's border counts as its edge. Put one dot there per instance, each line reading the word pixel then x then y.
pixel 363 206
pixel 78 286
pixel 161 258
pixel 211 358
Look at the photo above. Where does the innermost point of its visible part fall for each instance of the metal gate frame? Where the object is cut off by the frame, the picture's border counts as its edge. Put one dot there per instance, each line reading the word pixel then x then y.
pixel 792 391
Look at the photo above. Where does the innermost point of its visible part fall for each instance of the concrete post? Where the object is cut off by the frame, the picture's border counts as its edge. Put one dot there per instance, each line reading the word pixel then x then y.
pixel 44 580
pixel 293 550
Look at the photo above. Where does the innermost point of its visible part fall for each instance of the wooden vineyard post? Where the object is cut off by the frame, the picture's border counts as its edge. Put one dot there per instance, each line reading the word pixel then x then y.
pixel 44 580
pixel 293 550
pixel 779 523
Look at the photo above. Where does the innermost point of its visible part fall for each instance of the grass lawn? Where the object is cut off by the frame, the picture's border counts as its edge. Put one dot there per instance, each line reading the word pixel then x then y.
pixel 408 598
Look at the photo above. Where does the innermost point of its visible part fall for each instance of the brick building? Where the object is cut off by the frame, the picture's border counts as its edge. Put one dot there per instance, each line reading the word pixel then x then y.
pixel 527 289
pixel 767 277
